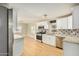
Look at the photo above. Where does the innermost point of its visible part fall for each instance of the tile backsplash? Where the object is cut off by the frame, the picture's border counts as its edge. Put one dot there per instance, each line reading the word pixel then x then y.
pixel 69 32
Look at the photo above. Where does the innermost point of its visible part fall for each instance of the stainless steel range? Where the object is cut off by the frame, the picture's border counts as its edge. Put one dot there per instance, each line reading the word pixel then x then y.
pixel 41 31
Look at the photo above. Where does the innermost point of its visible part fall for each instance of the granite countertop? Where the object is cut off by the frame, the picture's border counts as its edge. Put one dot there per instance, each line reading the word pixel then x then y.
pixel 17 36
pixel 71 39
pixel 50 34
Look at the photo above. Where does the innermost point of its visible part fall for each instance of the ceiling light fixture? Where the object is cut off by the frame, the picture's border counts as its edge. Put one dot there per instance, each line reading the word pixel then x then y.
pixel 45 16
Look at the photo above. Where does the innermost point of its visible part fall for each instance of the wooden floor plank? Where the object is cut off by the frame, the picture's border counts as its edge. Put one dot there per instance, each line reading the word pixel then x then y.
pixel 35 48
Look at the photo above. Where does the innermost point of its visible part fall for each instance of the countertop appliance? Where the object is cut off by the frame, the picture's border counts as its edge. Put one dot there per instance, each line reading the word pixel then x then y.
pixel 52 26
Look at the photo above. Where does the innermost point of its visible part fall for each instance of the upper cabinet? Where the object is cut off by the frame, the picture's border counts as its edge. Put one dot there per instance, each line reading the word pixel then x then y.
pixel 70 22
pixel 44 23
pixel 62 23
pixel 75 15
pixel 73 21
pixel 65 23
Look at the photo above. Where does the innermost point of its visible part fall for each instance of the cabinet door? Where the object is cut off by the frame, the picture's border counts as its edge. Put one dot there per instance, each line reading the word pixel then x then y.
pixel 58 23
pixel 70 22
pixel 52 40
pixel 70 49
pixel 44 23
pixel 44 38
pixel 75 15
pixel 62 23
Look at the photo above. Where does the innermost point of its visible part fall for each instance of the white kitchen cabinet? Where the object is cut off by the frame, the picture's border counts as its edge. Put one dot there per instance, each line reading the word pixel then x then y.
pixel 75 15
pixel 44 38
pixel 65 23
pixel 62 23
pixel 49 39
pixel 70 22
pixel 58 24
pixel 70 49
pixel 44 23
pixel 73 20
pixel 52 40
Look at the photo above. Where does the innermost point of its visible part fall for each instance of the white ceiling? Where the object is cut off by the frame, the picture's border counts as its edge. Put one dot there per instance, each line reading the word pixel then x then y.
pixel 32 12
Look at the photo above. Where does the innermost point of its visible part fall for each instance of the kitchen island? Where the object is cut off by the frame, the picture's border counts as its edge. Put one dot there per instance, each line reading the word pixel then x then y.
pixel 70 45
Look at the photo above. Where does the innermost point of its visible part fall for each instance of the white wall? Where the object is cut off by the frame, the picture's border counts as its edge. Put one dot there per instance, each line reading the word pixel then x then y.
pixel 29 29
pixel 32 30
pixel 14 19
pixel 24 28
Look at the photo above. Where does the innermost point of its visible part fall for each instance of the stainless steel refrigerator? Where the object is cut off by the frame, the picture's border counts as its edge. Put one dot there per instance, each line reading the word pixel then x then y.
pixel 6 31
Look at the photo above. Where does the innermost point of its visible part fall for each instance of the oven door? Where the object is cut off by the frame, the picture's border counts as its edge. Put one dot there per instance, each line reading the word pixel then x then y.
pixel 39 36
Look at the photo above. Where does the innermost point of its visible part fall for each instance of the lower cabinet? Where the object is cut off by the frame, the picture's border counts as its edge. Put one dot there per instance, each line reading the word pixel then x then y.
pixel 70 49
pixel 49 39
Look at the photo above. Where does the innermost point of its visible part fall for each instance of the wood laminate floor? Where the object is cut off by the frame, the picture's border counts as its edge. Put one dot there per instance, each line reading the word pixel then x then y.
pixel 35 48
